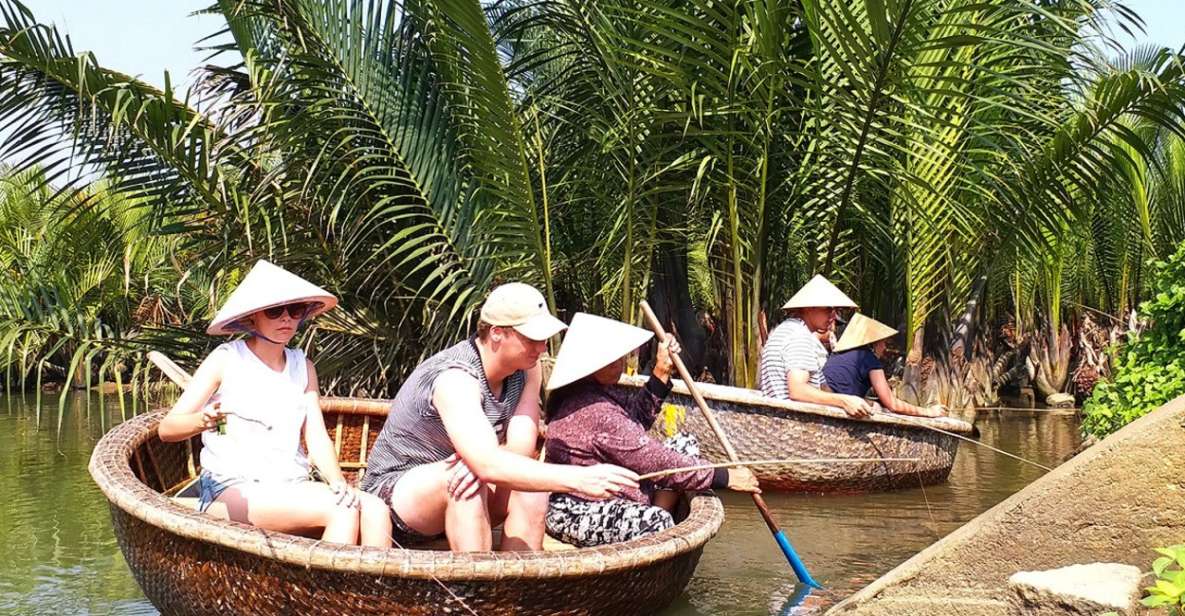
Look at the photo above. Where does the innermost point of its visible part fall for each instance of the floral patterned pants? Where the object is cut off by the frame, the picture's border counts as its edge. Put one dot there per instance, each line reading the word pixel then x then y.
pixel 585 523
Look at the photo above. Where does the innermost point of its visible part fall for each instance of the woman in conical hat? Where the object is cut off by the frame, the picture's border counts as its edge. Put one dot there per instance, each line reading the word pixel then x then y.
pixel 254 401
pixel 792 359
pixel 592 422
pixel 855 366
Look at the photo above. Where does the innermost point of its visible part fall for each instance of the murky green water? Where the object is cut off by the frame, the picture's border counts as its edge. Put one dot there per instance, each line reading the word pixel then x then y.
pixel 57 552
pixel 59 555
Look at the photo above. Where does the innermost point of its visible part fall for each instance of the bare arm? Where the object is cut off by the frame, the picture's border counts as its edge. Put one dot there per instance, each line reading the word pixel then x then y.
pixel 458 400
pixel 316 437
pixel 187 418
pixel 885 393
pixel 522 433
pixel 800 388
pixel 522 437
pixel 645 403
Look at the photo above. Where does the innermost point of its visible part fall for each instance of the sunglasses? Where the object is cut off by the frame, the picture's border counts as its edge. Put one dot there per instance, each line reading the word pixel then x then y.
pixel 296 311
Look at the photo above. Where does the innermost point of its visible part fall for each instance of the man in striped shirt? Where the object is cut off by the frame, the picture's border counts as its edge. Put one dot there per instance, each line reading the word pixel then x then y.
pixel 793 357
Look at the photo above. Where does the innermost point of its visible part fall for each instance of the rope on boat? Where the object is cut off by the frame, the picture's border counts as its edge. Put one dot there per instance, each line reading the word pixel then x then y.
pixel 444 586
pixel 1031 409
pixel 910 419
pixel 700 467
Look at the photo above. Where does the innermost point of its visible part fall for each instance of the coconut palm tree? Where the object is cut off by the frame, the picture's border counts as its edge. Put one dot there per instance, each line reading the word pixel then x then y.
pixel 81 285
pixel 373 149
pixel 901 147
pixel 410 154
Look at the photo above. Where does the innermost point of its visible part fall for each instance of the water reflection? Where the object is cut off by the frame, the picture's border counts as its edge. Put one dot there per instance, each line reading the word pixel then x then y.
pixel 849 541
pixel 60 556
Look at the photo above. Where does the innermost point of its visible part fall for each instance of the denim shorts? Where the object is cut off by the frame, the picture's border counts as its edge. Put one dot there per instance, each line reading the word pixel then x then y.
pixel 212 486
pixel 401 533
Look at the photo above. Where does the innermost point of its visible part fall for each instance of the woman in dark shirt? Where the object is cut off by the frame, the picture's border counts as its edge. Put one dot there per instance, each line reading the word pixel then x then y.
pixel 592 422
pixel 855 367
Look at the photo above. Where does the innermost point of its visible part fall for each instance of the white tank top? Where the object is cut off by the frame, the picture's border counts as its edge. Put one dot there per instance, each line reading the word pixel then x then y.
pixel 263 436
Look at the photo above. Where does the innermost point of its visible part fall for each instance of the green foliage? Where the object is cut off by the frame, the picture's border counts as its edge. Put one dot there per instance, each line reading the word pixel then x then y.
pixel 1150 367
pixel 1169 589
pixel 409 155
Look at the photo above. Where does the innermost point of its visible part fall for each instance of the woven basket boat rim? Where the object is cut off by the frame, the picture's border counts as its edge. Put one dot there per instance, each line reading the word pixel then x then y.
pixel 110 467
pixel 754 398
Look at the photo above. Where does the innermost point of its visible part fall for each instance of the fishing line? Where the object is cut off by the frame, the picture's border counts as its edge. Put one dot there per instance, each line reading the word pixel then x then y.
pixel 1028 409
pixel 916 422
pixel 917 470
pixel 450 592
pixel 926 497
pixel 700 467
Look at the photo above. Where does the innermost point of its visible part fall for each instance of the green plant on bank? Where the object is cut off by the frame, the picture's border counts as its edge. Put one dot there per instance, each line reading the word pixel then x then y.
pixel 1150 366
pixel 1169 589
pixel 409 155
pixel 82 286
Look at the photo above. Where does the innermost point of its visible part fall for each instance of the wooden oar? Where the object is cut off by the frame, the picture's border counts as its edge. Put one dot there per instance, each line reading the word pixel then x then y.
pixel 788 550
pixel 175 373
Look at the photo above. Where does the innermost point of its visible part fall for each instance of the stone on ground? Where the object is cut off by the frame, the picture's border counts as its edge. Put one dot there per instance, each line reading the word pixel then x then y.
pixel 1078 589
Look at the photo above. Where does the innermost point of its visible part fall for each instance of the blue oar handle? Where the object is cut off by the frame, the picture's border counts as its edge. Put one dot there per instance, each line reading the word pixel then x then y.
pixel 795 562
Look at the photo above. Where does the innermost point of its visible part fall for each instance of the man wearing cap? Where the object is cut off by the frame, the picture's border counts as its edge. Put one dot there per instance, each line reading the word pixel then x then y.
pixel 793 358
pixel 456 455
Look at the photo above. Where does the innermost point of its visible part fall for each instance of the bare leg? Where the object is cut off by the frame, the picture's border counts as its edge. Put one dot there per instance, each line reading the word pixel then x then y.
pixel 467 522
pixel 525 522
pixel 667 499
pixel 421 500
pixel 299 508
pixel 374 520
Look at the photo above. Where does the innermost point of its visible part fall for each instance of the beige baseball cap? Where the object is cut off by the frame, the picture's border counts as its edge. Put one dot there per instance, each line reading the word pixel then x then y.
pixel 522 307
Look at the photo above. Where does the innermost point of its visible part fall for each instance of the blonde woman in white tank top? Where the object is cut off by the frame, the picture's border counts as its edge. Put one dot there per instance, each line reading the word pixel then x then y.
pixel 257 472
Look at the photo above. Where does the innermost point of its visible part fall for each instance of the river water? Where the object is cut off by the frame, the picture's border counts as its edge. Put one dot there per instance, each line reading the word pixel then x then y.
pixel 59 555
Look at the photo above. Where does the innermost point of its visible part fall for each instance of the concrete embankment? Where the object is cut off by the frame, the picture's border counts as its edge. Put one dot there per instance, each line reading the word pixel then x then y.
pixel 1112 503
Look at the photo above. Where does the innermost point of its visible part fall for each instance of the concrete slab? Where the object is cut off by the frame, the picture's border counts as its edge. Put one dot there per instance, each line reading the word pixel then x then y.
pixel 1113 502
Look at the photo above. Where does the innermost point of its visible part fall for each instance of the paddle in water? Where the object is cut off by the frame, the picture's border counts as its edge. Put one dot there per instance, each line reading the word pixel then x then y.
pixel 788 550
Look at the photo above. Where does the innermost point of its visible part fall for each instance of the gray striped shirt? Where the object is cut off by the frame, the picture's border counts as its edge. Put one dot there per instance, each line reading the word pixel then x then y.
pixel 414 433
pixel 791 346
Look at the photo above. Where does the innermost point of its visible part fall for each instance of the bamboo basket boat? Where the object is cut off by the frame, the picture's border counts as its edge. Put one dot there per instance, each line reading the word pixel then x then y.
pixel 764 428
pixel 190 563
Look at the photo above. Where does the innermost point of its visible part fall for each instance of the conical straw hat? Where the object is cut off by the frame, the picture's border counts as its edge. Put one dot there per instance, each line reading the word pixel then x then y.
pixel 268 285
pixel 862 330
pixel 819 293
pixel 592 343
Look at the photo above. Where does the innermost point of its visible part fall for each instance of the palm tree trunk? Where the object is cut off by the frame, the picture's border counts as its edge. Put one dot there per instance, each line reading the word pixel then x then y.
pixel 670 297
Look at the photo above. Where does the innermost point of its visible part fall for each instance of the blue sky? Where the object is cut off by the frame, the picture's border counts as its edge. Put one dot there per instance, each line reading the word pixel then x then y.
pixel 139 37
pixel 147 37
